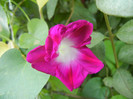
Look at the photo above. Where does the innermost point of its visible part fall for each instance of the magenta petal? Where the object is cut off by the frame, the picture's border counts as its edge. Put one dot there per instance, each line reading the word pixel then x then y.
pixel 36 58
pixel 89 61
pixel 80 31
pixel 35 54
pixel 46 67
pixel 74 73
pixel 79 74
pixel 65 54
pixel 64 73
pixel 71 75
pixel 53 40
pixel 56 32
pixel 86 42
pixel 50 49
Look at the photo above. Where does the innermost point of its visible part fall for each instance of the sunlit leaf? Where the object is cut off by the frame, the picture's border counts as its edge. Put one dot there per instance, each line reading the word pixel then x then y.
pixel 3 48
pixel 121 8
pixel 41 3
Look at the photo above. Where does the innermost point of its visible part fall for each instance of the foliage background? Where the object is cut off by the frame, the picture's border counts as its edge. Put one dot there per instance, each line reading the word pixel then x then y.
pixel 24 24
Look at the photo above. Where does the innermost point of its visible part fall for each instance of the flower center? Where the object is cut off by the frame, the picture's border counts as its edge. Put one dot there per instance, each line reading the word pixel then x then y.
pixel 67 53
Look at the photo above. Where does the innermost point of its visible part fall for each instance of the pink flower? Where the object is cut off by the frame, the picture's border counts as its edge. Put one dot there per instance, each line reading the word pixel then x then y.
pixel 65 54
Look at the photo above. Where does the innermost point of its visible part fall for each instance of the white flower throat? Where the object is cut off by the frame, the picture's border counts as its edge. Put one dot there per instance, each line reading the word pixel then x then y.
pixel 67 53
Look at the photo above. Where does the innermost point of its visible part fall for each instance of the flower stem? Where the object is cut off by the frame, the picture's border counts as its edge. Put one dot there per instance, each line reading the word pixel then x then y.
pixel 2 36
pixel 72 10
pixel 16 10
pixel 69 95
pixel 111 39
pixel 41 14
pixel 107 70
pixel 21 10
pixel 11 28
pixel 11 21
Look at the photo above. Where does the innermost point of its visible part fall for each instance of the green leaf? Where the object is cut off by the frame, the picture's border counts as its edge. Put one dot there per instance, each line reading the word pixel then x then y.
pixel 82 13
pixel 126 54
pixel 44 94
pixel 27 40
pixel 121 8
pixel 108 81
pixel 34 1
pixel 123 83
pixel 114 21
pixel 58 85
pixel 18 78
pixel 92 7
pixel 96 38
pixel 125 33
pixel 99 50
pixel 4 30
pixel 94 89
pixel 118 97
pixel 51 9
pixel 58 96
pixel 109 55
pixel 41 3
pixel 38 28
pixel 38 31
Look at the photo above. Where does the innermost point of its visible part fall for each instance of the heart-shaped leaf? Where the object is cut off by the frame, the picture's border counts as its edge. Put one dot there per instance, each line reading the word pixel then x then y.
pixel 38 31
pixel 18 79
pixel 126 54
pixel 123 83
pixel 125 33
pixel 94 89
pixel 121 8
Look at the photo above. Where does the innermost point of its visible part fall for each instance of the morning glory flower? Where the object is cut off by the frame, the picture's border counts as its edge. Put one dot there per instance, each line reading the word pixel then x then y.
pixel 65 54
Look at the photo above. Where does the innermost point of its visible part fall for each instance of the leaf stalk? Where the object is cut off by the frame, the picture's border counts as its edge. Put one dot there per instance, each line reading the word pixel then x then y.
pixel 111 39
